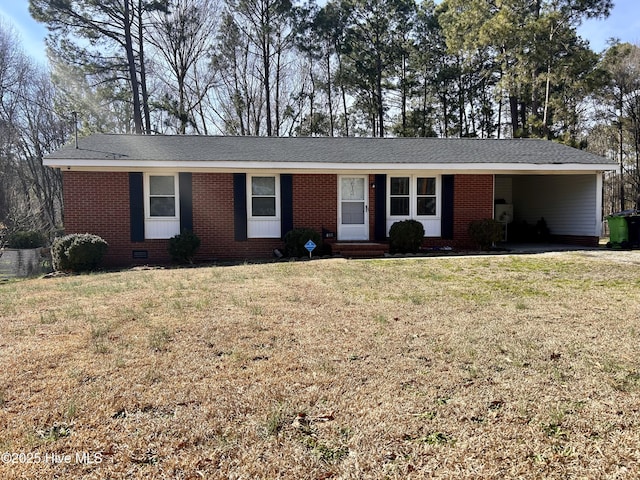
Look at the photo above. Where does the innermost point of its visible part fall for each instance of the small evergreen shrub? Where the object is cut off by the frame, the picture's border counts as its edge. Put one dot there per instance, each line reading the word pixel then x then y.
pixel 183 247
pixel 295 239
pixel 78 252
pixel 485 232
pixel 59 258
pixel 26 239
pixel 406 236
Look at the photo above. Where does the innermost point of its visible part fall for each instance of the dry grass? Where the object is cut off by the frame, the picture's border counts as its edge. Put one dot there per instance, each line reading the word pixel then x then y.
pixel 486 367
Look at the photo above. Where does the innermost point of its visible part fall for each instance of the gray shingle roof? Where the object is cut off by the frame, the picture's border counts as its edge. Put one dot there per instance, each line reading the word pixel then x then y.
pixel 322 150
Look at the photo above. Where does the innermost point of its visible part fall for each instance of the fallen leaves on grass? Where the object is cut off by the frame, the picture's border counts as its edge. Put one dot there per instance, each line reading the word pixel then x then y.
pixel 500 367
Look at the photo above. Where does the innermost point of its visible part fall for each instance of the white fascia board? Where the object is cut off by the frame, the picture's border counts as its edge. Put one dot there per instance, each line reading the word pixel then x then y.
pixel 319 167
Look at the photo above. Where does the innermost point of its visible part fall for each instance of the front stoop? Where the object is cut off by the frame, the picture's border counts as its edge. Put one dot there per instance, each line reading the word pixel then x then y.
pixel 360 249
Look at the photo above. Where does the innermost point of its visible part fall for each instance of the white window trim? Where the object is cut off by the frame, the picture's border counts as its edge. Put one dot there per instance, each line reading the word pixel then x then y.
pixel 147 194
pixel 413 197
pixel 160 227
pixel 262 226
pixel 390 196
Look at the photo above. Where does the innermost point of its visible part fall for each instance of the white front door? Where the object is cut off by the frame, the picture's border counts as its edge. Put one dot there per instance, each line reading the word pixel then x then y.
pixel 353 208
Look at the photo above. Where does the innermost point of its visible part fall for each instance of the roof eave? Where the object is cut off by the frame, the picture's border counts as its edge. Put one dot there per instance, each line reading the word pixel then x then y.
pixel 235 166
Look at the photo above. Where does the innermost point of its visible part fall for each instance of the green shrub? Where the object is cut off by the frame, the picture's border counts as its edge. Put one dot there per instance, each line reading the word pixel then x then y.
pixel 485 232
pixel 26 239
pixel 183 247
pixel 295 239
pixel 78 252
pixel 406 236
pixel 59 257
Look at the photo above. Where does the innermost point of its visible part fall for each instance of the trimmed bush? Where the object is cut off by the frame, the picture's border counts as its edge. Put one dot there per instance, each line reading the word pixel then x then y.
pixel 78 252
pixel 183 247
pixel 406 236
pixel 295 239
pixel 485 232
pixel 26 239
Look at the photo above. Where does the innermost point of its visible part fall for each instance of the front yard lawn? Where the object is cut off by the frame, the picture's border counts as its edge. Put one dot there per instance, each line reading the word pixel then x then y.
pixel 484 367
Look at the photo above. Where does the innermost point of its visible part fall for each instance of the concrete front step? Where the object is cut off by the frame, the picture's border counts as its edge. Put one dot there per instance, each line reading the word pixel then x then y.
pixel 360 249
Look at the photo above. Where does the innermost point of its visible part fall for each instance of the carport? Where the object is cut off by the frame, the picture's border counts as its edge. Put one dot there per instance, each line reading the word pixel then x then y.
pixel 569 203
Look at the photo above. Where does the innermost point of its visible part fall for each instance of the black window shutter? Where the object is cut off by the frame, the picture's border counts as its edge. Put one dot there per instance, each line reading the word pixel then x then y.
pixel 286 203
pixel 447 207
pixel 240 206
pixel 380 226
pixel 136 206
pixel 186 201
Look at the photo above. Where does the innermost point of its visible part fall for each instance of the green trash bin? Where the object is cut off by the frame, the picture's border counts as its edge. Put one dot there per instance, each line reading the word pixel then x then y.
pixel 618 230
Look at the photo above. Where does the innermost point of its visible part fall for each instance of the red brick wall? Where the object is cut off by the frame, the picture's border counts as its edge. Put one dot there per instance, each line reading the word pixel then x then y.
pixel 472 200
pixel 213 213
pixel 314 206
pixel 213 221
pixel 88 195
pixel 315 201
pixel 98 202
pixel 583 240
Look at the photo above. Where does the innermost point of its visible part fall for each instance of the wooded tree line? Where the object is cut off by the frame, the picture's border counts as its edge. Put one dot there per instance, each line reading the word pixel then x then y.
pixel 459 68
pixel 30 194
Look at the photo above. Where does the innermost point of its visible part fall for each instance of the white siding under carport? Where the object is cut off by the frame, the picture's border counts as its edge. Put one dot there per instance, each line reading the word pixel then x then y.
pixel 570 204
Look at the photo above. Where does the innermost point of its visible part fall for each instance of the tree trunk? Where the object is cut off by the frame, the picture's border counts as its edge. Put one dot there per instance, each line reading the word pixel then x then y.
pixel 266 64
pixel 403 93
pixel 143 72
pixel 515 120
pixel 329 96
pixel 277 96
pixel 380 109
pixel 344 99
pixel 445 113
pixel 133 75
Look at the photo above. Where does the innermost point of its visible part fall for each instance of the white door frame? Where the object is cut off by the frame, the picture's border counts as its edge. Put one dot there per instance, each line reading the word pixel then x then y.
pixel 354 231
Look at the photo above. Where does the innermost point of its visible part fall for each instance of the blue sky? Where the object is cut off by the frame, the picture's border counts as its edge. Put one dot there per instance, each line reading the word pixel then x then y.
pixel 15 13
pixel 623 23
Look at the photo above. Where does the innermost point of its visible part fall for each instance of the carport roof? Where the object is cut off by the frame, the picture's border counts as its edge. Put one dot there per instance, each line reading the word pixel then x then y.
pixel 316 152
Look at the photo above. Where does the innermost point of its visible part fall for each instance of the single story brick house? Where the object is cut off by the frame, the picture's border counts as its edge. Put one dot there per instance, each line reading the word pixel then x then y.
pixel 240 195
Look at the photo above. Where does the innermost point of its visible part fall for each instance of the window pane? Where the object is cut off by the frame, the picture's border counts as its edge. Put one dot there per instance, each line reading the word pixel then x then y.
pixel 263 186
pixel 399 206
pixel 352 213
pixel 426 206
pixel 426 186
pixel 162 206
pixel 352 188
pixel 399 185
pixel 263 206
pixel 161 185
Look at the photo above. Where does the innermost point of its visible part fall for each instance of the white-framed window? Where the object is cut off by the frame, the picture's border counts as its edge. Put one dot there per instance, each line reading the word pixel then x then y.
pixel 399 197
pixel 264 196
pixel 414 197
pixel 263 205
pixel 426 199
pixel 161 205
pixel 163 198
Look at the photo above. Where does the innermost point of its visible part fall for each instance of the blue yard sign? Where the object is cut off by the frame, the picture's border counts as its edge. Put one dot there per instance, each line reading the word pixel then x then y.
pixel 310 246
